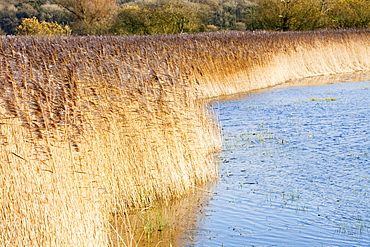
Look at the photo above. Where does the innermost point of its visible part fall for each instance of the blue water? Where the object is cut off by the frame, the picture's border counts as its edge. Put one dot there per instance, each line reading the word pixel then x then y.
pixel 294 170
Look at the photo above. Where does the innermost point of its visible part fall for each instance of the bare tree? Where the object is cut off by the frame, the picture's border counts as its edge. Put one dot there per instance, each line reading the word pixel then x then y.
pixel 91 16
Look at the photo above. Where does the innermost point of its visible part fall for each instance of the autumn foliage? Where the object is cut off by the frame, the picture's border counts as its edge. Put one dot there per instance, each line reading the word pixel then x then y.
pixel 32 27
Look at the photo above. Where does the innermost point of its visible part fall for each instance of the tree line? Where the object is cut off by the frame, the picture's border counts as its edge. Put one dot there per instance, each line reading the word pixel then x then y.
pixel 142 17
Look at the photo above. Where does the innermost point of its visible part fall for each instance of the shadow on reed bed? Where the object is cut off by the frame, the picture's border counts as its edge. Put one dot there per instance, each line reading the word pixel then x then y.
pixel 92 126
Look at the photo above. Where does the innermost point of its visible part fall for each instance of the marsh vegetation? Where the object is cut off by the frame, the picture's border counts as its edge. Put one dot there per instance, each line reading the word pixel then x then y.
pixel 92 127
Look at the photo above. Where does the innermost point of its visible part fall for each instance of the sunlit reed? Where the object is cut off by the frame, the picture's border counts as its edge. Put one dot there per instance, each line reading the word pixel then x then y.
pixel 94 126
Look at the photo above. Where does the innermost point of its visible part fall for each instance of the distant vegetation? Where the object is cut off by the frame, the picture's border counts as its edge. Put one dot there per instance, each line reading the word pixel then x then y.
pixel 186 16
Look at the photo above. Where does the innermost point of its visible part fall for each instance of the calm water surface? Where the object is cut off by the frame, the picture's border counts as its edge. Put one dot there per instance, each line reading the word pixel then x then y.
pixel 295 169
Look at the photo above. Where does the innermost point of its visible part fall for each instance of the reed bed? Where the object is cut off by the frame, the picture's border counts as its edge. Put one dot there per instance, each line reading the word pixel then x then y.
pixel 235 62
pixel 94 126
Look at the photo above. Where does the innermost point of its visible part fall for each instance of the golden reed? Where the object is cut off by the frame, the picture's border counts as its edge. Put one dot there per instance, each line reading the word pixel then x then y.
pixel 92 126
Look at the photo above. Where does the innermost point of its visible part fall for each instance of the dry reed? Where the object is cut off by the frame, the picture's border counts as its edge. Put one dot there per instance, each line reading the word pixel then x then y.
pixel 92 126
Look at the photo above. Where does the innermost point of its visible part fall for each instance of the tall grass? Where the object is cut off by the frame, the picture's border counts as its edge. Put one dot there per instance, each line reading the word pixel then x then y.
pixel 92 126
pixel 234 62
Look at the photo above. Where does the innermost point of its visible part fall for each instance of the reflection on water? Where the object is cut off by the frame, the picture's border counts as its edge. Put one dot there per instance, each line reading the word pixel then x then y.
pixel 173 224
pixel 295 169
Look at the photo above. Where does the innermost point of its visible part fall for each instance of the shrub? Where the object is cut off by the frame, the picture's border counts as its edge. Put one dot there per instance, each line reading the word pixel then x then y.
pixel 169 18
pixel 351 13
pixel 32 27
pixel 130 20
pixel 285 15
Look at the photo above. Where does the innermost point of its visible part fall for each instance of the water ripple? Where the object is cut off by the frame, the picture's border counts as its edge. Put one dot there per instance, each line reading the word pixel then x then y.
pixel 295 169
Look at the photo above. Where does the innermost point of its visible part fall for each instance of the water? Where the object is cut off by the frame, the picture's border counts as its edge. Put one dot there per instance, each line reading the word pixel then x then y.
pixel 295 169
